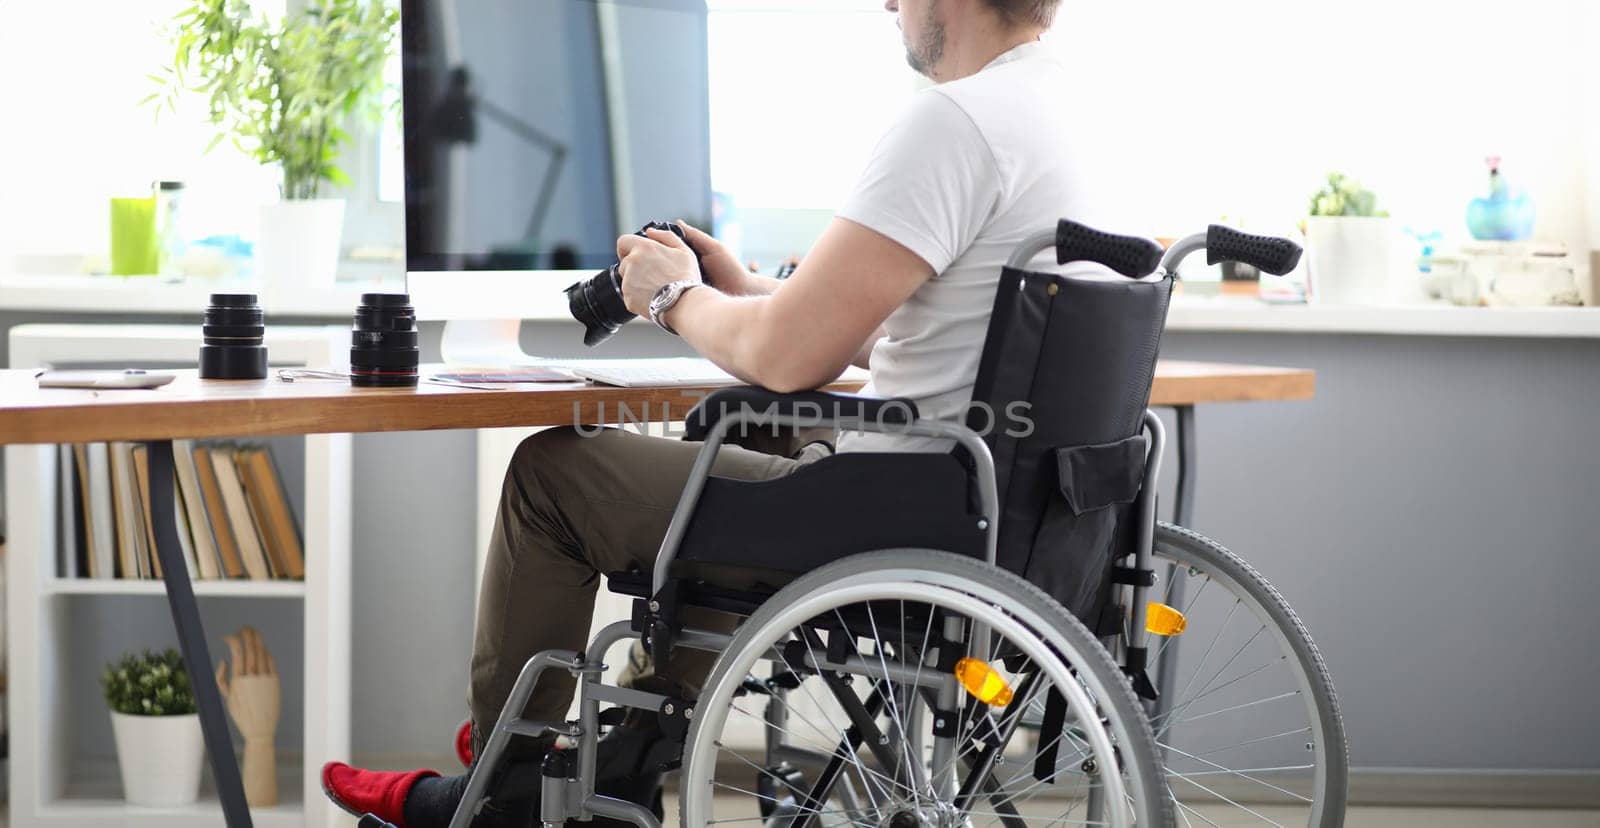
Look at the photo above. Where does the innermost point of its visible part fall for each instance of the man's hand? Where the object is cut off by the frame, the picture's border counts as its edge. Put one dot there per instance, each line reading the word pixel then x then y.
pixel 649 262
pixel 723 271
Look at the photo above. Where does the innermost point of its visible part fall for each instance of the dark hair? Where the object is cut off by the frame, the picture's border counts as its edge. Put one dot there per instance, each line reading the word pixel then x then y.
pixel 1018 13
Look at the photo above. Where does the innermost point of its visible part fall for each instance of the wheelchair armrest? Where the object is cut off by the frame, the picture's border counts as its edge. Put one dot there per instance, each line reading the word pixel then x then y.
pixel 821 406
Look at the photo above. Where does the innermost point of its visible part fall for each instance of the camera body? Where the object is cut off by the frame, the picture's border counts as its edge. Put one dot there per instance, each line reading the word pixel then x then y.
pixel 597 301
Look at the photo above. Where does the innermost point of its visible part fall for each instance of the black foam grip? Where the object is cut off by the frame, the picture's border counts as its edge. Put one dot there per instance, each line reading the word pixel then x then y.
pixel 1269 254
pixel 1131 256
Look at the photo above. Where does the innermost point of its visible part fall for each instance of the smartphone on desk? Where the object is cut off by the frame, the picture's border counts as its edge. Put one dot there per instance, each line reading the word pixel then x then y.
pixel 127 378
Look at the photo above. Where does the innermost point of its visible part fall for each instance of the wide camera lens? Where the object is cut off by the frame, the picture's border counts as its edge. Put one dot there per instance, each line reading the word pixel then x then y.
pixel 597 303
pixel 232 338
pixel 383 343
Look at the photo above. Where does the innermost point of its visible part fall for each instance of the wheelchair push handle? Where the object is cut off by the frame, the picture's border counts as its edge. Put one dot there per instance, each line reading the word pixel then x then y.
pixel 1269 254
pixel 1131 256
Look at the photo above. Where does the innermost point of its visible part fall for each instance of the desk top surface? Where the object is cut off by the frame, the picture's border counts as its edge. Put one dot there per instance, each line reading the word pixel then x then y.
pixel 193 408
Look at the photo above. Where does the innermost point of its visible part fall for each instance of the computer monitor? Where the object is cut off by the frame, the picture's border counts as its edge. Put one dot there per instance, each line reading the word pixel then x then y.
pixel 536 132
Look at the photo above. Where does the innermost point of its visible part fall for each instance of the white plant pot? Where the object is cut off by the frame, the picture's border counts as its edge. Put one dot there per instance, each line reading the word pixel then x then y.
pixel 1350 260
pixel 160 758
pixel 299 246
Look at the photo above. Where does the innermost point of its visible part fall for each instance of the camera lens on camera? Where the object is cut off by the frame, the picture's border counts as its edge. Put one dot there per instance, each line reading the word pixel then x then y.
pixel 597 303
pixel 383 342
pixel 232 338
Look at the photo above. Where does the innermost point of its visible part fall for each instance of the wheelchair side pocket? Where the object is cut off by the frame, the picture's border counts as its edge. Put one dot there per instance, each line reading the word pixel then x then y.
pixel 1088 523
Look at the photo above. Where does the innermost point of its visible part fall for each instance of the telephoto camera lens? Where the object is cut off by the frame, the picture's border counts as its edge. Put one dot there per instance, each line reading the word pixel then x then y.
pixel 383 343
pixel 232 331
pixel 597 302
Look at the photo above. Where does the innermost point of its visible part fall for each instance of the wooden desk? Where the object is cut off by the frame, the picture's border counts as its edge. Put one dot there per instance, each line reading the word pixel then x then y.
pixel 190 408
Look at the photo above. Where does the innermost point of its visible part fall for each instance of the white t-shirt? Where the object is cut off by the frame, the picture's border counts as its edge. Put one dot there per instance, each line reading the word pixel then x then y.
pixel 975 166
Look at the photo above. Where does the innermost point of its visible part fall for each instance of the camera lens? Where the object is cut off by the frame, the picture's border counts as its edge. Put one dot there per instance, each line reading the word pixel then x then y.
pixel 383 343
pixel 232 332
pixel 597 303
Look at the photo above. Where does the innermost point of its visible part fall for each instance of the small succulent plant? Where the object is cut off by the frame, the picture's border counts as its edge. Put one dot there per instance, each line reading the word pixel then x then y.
pixel 1344 197
pixel 148 684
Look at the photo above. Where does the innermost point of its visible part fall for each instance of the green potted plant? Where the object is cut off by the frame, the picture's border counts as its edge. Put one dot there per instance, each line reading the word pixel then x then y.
pixel 160 748
pixel 283 92
pixel 1348 238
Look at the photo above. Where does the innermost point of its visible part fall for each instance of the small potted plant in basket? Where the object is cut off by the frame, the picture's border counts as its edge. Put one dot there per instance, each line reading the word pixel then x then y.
pixel 1348 239
pixel 160 748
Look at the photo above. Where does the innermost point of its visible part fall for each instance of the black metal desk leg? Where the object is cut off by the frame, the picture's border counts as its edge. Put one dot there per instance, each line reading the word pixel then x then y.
pixel 1182 514
pixel 192 638
pixel 1183 511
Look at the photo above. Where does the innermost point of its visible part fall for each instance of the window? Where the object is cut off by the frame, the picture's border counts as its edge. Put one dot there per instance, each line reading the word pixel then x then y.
pixel 800 93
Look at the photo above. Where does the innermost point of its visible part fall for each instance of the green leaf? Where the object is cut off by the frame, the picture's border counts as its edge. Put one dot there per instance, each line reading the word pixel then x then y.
pixel 279 91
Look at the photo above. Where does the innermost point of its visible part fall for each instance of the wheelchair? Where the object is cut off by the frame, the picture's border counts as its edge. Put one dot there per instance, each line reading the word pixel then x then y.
pixel 971 637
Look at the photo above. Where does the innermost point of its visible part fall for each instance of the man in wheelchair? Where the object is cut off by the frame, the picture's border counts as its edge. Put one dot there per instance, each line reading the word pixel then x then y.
pixel 902 282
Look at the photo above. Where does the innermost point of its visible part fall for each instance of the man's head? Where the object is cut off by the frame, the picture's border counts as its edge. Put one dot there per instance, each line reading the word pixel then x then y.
pixel 928 25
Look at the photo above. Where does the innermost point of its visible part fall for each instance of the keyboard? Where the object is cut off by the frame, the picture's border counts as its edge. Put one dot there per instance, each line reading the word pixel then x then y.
pixel 665 372
pixel 669 372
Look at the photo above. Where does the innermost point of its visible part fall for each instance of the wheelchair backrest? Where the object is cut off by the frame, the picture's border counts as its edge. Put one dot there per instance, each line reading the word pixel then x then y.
pixel 1074 360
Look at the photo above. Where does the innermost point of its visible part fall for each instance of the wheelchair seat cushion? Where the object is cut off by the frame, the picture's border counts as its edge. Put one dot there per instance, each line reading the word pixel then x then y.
pixel 771 531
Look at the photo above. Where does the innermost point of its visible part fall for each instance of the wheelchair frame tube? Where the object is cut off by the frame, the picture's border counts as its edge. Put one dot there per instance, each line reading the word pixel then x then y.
pixel 987 494
pixel 510 723
pixel 1030 247
pixel 1138 635
pixel 591 692
pixel 1180 250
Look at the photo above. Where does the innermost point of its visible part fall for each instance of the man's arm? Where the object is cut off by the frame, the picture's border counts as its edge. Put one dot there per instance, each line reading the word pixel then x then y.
pixel 754 284
pixel 804 334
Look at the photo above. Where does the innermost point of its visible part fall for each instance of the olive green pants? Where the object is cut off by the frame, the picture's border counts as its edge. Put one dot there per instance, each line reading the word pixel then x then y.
pixel 575 506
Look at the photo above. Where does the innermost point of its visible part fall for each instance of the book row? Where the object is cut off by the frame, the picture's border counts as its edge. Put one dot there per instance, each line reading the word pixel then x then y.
pixel 233 515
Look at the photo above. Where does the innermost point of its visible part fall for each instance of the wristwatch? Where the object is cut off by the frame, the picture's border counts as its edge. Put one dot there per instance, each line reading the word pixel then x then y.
pixel 665 298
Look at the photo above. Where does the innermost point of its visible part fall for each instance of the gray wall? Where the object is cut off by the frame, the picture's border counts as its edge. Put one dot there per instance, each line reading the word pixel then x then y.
pixel 1425 514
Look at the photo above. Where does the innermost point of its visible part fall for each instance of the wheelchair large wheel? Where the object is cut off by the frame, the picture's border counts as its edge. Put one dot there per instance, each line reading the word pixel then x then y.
pixel 1252 733
pixel 863 655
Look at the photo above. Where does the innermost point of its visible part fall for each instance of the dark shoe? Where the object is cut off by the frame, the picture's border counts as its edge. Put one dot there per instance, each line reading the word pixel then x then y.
pixel 629 766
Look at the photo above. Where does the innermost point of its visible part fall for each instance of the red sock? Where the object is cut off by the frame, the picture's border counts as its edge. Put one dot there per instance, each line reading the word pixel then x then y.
pixel 464 743
pixel 380 793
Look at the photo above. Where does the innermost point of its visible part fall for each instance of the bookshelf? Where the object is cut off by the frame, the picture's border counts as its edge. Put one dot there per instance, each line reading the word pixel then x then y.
pixel 53 779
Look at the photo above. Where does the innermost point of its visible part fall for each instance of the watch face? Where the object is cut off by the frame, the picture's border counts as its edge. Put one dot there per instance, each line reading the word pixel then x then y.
pixel 663 297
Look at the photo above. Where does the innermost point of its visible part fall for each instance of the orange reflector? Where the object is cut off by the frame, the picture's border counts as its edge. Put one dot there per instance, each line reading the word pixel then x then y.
pixel 1161 619
pixel 983 682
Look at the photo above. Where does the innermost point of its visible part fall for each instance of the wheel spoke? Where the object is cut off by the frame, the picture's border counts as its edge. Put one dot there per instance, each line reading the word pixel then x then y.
pixel 1220 699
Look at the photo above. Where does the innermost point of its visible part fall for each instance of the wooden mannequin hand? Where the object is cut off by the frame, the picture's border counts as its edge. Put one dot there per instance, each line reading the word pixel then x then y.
pixel 253 698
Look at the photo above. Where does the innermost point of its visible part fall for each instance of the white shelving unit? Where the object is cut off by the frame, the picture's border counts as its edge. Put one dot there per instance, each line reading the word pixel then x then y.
pixel 48 785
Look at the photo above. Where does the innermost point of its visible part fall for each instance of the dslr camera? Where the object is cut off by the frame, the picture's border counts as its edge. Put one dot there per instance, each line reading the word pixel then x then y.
pixel 597 301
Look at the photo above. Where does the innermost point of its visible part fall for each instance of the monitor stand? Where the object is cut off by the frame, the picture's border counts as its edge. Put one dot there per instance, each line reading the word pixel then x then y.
pixel 483 343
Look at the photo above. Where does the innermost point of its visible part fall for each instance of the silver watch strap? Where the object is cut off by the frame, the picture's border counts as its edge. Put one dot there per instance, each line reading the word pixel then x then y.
pixel 673 291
